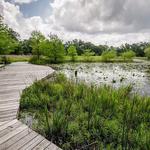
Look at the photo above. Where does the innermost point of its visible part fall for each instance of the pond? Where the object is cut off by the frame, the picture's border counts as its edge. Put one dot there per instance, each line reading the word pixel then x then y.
pixel 114 74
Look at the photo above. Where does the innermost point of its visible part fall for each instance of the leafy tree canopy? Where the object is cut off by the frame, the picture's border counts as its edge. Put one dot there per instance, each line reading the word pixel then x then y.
pixel 72 52
pixel 8 38
pixel 35 41
pixel 53 48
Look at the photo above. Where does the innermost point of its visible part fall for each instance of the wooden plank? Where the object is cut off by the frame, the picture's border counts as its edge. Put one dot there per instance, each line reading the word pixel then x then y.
pixel 9 101
pixel 10 92
pixel 8 124
pixel 23 141
pixel 41 146
pixel 52 147
pixel 11 134
pixel 14 139
pixel 8 112
pixel 10 128
pixel 8 115
pixel 38 139
pixel 2 123
pixel 11 107
pixel 17 89
pixel 11 87
pixel 8 118
pixel 9 104
pixel 6 96
pixel 11 84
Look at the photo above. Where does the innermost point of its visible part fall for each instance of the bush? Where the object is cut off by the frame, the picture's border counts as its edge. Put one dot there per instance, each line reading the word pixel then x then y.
pixel 87 55
pixel 147 52
pixel 72 52
pixel 108 55
pixel 128 55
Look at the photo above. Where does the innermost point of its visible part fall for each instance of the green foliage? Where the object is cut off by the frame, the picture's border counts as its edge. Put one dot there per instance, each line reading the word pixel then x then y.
pixel 147 52
pixel 108 55
pixel 24 47
pixel 80 116
pixel 138 48
pixel 8 41
pixel 87 54
pixel 81 46
pixel 72 52
pixel 54 49
pixel 35 41
pixel 38 61
pixel 128 55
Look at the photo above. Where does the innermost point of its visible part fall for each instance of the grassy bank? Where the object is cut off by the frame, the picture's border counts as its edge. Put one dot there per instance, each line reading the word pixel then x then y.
pixel 45 60
pixel 92 59
pixel 80 116
pixel 18 58
pixel 15 58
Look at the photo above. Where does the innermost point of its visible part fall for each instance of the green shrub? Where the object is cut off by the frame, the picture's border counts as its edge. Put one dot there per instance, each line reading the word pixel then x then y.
pixel 108 55
pixel 72 52
pixel 87 55
pixel 128 55
pixel 147 52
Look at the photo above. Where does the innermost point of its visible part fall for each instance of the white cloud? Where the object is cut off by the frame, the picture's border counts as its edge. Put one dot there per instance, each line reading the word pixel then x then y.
pixel 24 1
pixel 24 26
pixel 113 22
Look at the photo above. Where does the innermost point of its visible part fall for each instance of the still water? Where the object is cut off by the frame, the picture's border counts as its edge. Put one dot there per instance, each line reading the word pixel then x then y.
pixel 114 74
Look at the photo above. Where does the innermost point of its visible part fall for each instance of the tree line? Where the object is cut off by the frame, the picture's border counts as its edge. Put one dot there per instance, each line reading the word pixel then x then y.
pixel 54 48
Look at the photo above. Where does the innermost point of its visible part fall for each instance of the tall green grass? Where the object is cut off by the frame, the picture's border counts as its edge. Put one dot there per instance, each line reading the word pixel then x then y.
pixel 80 116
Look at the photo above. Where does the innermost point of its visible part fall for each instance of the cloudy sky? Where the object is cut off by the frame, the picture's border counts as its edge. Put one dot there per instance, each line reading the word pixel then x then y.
pixel 100 21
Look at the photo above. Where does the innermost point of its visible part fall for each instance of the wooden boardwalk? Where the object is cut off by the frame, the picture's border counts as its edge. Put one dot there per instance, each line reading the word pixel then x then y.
pixel 14 135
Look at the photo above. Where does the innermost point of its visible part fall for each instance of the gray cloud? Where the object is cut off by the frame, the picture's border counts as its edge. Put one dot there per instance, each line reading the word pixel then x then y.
pixel 101 16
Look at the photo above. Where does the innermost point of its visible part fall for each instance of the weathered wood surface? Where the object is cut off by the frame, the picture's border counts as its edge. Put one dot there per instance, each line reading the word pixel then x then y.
pixel 15 135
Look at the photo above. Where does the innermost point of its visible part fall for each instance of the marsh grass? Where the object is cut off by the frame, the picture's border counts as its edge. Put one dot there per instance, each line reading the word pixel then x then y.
pixel 80 116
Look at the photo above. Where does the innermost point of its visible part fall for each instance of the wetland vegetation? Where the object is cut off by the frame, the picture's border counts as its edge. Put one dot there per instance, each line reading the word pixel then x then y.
pixel 82 116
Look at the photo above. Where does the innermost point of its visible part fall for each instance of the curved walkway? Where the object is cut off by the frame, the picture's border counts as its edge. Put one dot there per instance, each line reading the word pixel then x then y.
pixel 14 135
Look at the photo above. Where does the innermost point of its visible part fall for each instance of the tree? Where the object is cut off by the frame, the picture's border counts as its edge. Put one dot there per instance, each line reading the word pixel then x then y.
pixel 128 55
pixel 23 47
pixel 138 48
pixel 108 55
pixel 81 46
pixel 7 40
pixel 54 49
pixel 87 54
pixel 147 52
pixel 72 52
pixel 35 41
